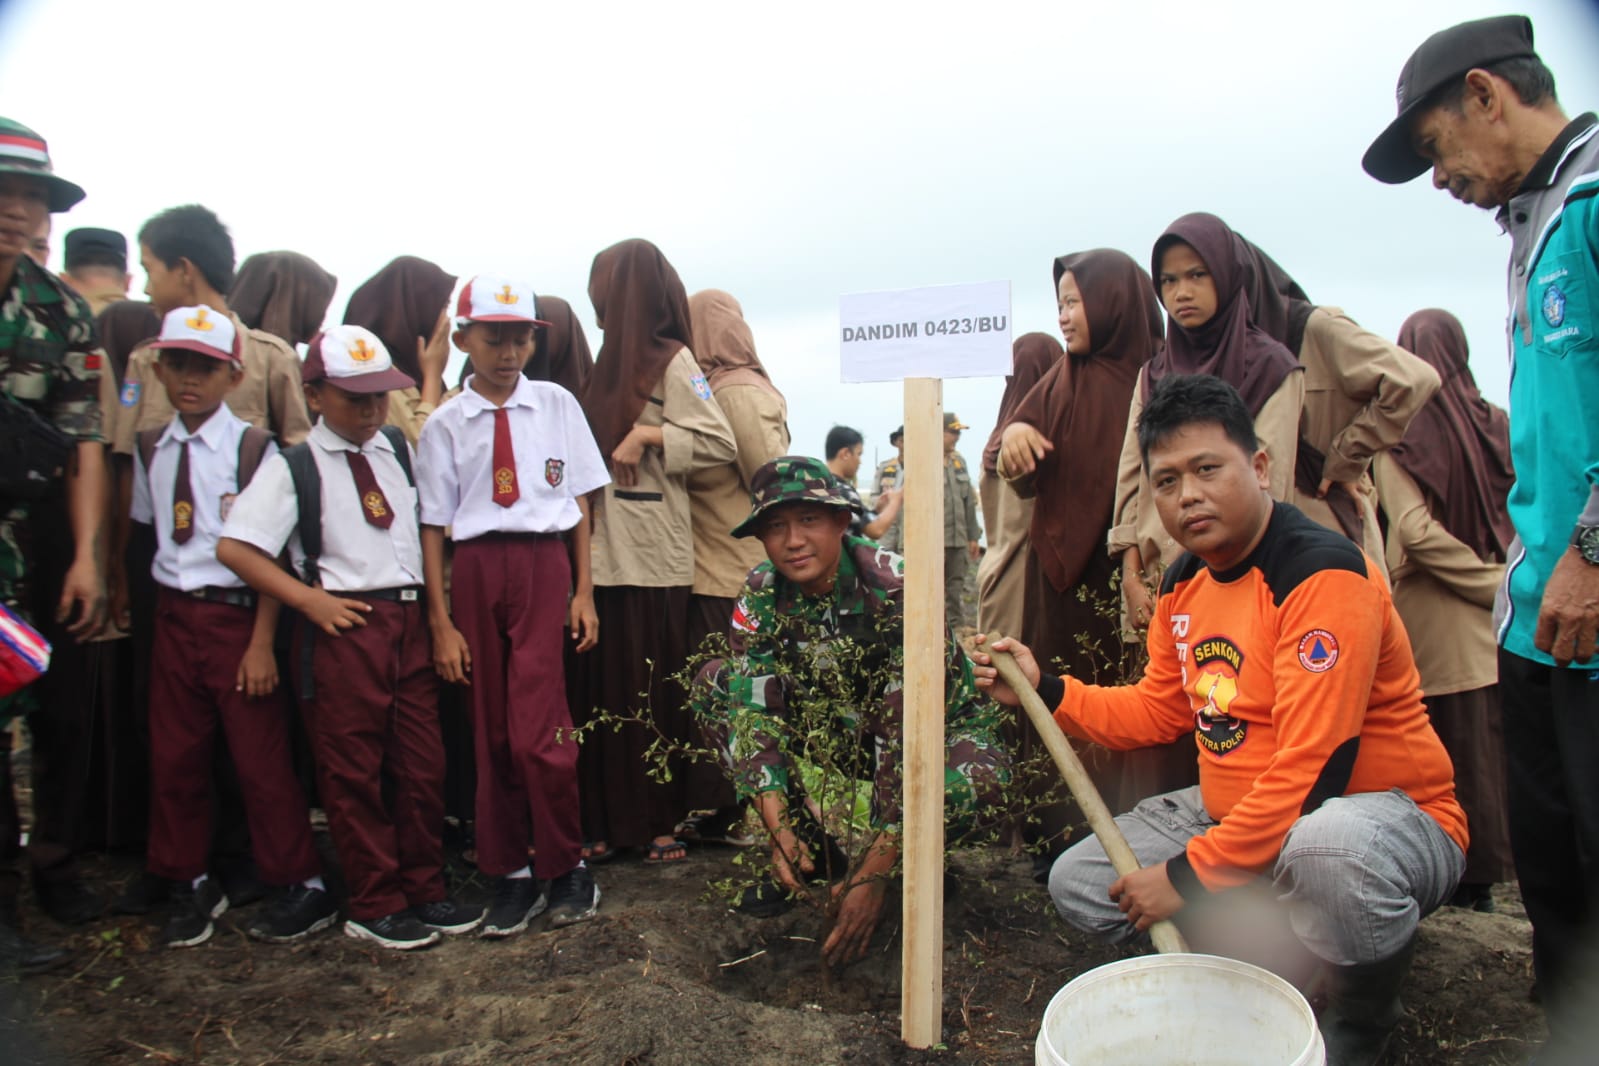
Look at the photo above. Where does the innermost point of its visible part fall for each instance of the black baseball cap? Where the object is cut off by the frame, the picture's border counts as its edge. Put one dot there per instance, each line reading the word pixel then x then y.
pixel 895 437
pixel 91 242
pixel 1446 55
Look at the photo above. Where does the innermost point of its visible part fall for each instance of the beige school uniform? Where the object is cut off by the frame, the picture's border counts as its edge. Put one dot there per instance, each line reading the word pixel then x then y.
pixel 643 534
pixel 719 496
pixel 1358 394
pixel 408 412
pixel 1443 592
pixel 1002 573
pixel 270 395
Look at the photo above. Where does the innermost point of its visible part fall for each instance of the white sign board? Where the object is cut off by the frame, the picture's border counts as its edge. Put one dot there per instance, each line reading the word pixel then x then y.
pixel 943 331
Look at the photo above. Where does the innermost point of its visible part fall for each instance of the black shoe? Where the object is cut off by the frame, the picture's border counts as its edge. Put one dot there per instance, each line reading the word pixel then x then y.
pixel 400 931
pixel 1363 1008
pixel 68 900
pixel 765 900
pixel 295 915
pixel 242 886
pixel 517 901
pixel 192 912
pixel 21 955
pixel 143 894
pixel 448 916
pixel 1474 895
pixel 574 897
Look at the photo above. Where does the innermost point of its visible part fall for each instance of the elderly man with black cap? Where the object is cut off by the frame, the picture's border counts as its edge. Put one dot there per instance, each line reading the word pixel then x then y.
pixel 49 373
pixel 1477 106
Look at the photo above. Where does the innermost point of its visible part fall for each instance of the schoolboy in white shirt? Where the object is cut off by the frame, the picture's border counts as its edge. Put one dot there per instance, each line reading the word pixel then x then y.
pixel 507 465
pixel 212 662
pixel 344 505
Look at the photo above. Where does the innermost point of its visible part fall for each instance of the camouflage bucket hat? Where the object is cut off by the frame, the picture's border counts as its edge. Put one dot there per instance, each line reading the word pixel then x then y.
pixel 23 151
pixel 790 479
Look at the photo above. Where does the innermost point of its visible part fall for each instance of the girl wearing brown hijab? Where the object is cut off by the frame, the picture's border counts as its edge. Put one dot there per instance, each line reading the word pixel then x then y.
pixel 563 354
pixel 406 305
pixel 653 415
pixel 1321 411
pixel 285 293
pixel 1061 447
pixel 719 499
pixel 1001 575
pixel 1443 490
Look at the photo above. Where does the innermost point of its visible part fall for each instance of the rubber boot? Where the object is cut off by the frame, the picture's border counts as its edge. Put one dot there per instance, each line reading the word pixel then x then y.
pixel 20 955
pixel 1363 1008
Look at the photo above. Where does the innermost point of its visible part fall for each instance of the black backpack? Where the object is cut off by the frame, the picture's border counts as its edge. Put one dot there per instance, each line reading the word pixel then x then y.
pixel 252 447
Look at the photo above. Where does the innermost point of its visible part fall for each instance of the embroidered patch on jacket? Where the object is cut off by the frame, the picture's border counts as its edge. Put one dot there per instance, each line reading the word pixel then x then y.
pixel 1554 305
pixel 1318 650
pixel 702 388
pixel 1217 663
pixel 554 471
pixel 130 394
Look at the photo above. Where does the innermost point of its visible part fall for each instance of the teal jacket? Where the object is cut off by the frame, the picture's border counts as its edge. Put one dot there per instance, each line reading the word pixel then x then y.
pixel 1553 286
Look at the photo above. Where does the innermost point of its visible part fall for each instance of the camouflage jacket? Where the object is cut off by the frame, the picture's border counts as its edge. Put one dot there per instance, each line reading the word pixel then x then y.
pixel 846 648
pixel 49 358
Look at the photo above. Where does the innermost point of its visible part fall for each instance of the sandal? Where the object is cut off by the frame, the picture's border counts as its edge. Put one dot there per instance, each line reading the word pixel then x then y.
pixel 597 852
pixel 662 854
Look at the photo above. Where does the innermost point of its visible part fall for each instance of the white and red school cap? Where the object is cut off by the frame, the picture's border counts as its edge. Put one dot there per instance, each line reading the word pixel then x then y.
pixel 487 298
pixel 200 329
pixel 353 359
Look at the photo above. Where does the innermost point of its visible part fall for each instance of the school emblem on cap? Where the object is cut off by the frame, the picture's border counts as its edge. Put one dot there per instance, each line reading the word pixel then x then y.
pixel 1554 305
pixel 554 471
pixel 504 481
pixel 362 352
pixel 506 296
pixel 373 502
pixel 200 321
pixel 1318 650
pixel 182 515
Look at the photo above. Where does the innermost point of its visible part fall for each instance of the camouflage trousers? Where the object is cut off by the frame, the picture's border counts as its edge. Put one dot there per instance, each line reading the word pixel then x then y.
pixel 976 764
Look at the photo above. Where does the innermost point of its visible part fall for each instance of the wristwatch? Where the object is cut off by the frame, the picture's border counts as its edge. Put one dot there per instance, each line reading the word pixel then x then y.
pixel 1586 541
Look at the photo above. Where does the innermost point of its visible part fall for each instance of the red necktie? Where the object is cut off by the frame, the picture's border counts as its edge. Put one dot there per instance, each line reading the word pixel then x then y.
pixel 505 488
pixel 182 500
pixel 374 505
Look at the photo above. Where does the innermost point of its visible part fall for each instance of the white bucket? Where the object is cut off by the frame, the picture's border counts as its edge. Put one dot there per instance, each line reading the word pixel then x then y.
pixel 1179 1010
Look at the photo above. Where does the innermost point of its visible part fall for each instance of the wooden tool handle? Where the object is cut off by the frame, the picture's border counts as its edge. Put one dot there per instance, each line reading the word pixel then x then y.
pixel 1164 934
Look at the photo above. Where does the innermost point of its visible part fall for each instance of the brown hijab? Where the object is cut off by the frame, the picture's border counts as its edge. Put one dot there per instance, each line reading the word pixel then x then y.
pixel 1276 301
pixel 1231 346
pixel 1081 405
pixel 563 354
pixel 123 326
pixel 1032 355
pixel 640 303
pixel 401 303
pixel 285 293
pixel 1458 445
pixel 723 344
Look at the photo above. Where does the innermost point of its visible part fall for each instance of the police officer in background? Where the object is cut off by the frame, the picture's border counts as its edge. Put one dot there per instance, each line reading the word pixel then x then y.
pixel 50 380
pixel 888 477
pixel 961 550
pixel 97 266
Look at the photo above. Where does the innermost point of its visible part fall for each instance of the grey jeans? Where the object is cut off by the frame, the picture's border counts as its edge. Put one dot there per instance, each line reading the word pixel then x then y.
pixel 1355 876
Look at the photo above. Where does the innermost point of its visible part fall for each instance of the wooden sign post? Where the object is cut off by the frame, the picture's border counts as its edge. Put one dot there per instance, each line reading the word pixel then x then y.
pixel 921 336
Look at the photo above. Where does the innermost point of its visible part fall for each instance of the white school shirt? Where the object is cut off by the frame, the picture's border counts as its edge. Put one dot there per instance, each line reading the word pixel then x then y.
pixel 356 555
pixel 213 477
pixel 556 462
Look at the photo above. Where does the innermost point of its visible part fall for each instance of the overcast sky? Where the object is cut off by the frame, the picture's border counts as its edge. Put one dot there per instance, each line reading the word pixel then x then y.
pixel 786 154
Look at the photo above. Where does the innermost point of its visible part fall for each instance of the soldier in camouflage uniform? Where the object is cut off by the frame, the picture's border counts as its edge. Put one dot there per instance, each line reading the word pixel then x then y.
pixel 827 601
pixel 49 364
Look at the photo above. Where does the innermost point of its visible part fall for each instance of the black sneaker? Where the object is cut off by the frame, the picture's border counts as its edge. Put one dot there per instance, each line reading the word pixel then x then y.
pixel 448 916
pixel 574 897
pixel 68 900
pixel 192 911
pixel 517 901
pixel 400 931
pixel 143 894
pixel 295 915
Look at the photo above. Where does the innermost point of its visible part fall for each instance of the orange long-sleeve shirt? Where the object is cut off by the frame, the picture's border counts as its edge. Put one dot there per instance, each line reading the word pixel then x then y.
pixel 1296 678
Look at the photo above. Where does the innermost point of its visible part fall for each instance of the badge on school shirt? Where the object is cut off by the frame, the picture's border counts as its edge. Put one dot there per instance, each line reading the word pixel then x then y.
pixel 130 394
pixel 702 388
pixel 554 471
pixel 225 504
